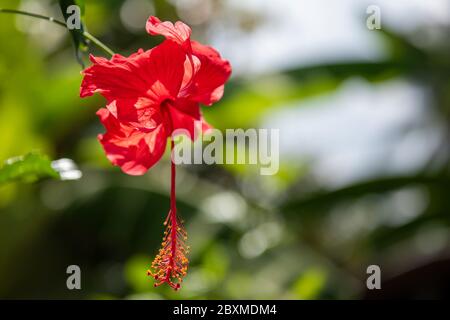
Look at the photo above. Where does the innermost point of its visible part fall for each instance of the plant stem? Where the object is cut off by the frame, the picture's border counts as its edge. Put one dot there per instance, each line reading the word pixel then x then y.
pixel 85 34
pixel 97 42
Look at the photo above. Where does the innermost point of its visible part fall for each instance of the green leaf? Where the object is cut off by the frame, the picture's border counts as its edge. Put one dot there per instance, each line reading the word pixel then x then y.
pixel 79 41
pixel 28 168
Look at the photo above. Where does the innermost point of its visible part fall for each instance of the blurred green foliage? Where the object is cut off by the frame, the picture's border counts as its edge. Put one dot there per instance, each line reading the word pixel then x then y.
pixel 27 168
pixel 285 236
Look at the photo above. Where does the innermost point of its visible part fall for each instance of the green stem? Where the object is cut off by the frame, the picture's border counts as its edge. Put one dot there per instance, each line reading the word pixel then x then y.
pixel 98 43
pixel 85 34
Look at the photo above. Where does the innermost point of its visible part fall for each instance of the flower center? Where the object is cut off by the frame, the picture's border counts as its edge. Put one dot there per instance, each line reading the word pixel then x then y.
pixel 166 103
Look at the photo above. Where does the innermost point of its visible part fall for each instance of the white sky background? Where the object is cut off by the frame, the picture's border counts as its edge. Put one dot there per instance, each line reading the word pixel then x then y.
pixel 359 131
pixel 349 134
pixel 314 31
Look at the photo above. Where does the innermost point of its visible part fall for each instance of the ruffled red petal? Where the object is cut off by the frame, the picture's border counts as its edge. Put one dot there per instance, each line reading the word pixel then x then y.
pixel 165 68
pixel 178 32
pixel 156 74
pixel 120 77
pixel 134 151
pixel 140 113
pixel 186 114
pixel 208 83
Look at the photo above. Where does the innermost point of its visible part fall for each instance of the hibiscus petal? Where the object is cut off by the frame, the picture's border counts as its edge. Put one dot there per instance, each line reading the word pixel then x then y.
pixel 186 115
pixel 155 74
pixel 132 150
pixel 120 77
pixel 191 67
pixel 179 33
pixel 165 66
pixel 140 113
pixel 208 83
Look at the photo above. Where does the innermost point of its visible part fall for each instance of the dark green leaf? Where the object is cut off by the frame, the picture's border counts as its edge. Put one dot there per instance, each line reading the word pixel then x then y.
pixel 79 41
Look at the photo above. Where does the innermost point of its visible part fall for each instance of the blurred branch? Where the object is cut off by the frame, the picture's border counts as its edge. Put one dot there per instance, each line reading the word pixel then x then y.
pixel 327 198
pixel 371 71
pixel 385 236
pixel 34 15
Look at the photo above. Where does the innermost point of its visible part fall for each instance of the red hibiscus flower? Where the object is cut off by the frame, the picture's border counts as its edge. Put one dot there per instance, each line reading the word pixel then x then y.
pixel 149 95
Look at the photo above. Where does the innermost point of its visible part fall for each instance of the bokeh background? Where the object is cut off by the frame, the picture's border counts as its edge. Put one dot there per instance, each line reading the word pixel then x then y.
pixel 364 150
